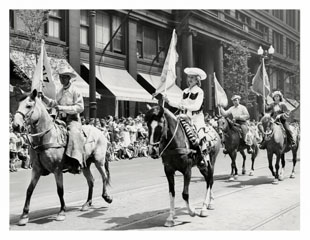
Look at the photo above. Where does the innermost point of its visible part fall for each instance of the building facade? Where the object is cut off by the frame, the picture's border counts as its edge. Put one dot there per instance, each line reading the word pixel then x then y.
pixel 140 40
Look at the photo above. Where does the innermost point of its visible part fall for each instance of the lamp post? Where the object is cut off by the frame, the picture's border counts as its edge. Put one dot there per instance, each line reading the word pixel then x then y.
pixel 265 55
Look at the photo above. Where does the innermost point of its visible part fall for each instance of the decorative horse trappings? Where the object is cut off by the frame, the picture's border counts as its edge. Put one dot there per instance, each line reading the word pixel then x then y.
pixel 276 143
pixel 47 152
pixel 167 139
pixel 233 144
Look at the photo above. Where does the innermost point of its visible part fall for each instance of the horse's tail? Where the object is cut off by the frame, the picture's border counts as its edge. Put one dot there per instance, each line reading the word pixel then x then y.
pixel 107 169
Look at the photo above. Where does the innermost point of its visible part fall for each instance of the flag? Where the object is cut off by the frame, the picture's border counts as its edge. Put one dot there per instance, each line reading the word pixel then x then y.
pixel 168 75
pixel 260 82
pixel 42 79
pixel 220 95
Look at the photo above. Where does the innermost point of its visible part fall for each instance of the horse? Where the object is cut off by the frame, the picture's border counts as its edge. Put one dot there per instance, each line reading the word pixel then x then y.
pixel 47 152
pixel 233 143
pixel 276 143
pixel 167 139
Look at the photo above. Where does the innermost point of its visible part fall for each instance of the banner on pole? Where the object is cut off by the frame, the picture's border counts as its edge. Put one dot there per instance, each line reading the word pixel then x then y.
pixel 260 82
pixel 168 75
pixel 220 95
pixel 42 79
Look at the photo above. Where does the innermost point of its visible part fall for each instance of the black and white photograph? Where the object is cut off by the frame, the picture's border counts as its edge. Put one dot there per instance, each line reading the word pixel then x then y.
pixel 138 119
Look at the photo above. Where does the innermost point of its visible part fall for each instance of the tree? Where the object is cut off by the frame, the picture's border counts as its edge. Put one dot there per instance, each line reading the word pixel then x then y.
pixel 236 70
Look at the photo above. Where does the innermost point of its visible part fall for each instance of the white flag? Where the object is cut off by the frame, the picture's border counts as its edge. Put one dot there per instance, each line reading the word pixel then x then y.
pixel 220 95
pixel 42 79
pixel 168 75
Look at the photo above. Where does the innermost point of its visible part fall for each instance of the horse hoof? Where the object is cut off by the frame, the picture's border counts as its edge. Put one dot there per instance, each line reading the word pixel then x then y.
pixel 236 177
pixel 192 213
pixel 85 207
pixel 169 223
pixel 107 198
pixel 275 181
pixel 292 175
pixel 231 179
pixel 251 173
pixel 203 213
pixel 23 221
pixel 243 172
pixel 61 217
pixel 281 178
pixel 210 207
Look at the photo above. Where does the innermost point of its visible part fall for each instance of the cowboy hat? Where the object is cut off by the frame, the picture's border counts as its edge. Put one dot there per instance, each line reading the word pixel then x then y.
pixel 196 72
pixel 277 93
pixel 235 97
pixel 66 71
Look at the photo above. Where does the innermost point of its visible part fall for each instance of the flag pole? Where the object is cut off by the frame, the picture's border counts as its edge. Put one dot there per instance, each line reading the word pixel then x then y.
pixel 41 73
pixel 263 67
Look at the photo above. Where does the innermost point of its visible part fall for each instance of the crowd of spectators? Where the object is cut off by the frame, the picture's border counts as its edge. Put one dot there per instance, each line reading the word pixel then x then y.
pixel 127 139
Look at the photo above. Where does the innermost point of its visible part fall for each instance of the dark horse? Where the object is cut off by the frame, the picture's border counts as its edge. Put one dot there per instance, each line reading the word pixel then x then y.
pixel 168 140
pixel 47 155
pixel 276 143
pixel 233 144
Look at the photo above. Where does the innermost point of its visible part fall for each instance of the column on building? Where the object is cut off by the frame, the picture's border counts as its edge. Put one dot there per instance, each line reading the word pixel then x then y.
pixel 187 52
pixel 131 61
pixel 210 71
pixel 74 39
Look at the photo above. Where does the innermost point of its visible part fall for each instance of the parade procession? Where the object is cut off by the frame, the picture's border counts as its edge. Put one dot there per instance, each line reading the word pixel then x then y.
pixel 154 120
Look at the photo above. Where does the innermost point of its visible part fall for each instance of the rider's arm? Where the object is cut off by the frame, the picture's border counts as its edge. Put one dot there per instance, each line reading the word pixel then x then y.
pixel 48 101
pixel 225 113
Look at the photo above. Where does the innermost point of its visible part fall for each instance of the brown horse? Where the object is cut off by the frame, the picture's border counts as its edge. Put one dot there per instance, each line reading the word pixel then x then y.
pixel 167 139
pixel 276 143
pixel 233 144
pixel 47 152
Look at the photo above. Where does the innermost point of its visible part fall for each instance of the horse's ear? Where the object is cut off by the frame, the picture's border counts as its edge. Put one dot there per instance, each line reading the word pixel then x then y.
pixel 34 94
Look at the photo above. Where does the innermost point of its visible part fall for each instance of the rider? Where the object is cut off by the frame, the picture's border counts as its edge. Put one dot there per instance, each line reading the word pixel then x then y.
pixel 69 102
pixel 240 115
pixel 191 105
pixel 279 111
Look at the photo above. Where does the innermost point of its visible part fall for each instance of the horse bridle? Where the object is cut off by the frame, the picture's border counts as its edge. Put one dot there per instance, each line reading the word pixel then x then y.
pixel 167 145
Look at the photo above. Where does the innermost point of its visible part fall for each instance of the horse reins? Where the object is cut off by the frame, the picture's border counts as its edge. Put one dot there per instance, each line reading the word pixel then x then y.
pixel 175 131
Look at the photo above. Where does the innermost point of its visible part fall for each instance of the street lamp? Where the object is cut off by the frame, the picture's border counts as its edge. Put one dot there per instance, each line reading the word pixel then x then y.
pixel 264 54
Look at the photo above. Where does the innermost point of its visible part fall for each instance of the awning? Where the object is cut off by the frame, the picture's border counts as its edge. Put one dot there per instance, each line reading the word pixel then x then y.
pixel 174 93
pixel 122 85
pixel 27 63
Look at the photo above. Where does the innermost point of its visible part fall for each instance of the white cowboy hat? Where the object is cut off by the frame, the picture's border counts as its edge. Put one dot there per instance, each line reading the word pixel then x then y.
pixel 196 72
pixel 235 97
pixel 277 93
pixel 66 71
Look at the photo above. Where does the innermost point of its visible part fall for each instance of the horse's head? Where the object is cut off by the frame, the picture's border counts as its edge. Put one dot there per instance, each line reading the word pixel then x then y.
pixel 155 120
pixel 266 124
pixel 222 124
pixel 26 114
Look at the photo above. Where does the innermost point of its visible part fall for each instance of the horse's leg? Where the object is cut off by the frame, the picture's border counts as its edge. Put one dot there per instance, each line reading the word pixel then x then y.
pixel 35 176
pixel 281 175
pixel 207 172
pixel 185 194
pixel 253 156
pixel 294 152
pixel 90 182
pixel 170 177
pixel 243 163
pixel 270 156
pixel 277 166
pixel 104 175
pixel 60 190
pixel 234 170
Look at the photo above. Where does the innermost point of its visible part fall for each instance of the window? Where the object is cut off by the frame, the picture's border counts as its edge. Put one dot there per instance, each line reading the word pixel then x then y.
pixel 20 25
pixel 54 24
pixel 278 14
pixel 291 18
pixel 227 12
pixel 277 42
pixel 290 49
pixel 243 18
pixel 84 22
pixel 118 39
pixel 139 41
pixel 263 29
pixel 103 33
pixel 11 19
pixel 150 38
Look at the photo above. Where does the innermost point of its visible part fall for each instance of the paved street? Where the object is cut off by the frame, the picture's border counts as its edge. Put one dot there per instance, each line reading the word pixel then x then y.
pixel 141 202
